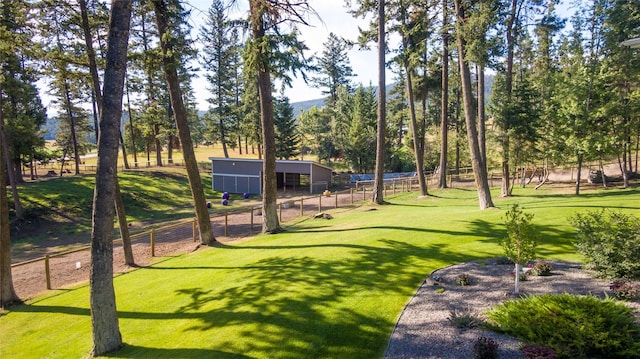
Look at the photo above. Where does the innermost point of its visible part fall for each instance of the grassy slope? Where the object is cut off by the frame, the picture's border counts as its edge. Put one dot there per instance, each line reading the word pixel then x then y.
pixel 322 289
pixel 59 210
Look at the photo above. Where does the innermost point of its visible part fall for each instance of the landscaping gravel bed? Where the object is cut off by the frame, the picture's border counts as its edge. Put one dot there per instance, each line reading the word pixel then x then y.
pixel 425 331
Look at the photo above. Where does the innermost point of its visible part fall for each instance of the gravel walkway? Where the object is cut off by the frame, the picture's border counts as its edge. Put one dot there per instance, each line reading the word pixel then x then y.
pixel 424 330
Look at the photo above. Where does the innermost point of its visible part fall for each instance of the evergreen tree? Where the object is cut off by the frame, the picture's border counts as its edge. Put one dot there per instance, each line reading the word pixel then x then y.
pixel 334 68
pixel 24 113
pixel 287 136
pixel 219 59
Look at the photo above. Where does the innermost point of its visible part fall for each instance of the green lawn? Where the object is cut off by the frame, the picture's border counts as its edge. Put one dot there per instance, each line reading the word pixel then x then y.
pixel 323 289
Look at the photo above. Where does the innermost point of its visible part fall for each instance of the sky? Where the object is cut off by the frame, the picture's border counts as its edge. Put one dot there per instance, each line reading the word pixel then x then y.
pixel 332 17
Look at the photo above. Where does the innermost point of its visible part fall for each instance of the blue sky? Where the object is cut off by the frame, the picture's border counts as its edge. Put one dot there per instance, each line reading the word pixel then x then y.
pixel 332 17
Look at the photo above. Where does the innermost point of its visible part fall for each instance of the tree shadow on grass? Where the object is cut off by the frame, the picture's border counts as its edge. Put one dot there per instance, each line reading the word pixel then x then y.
pixel 134 351
pixel 297 303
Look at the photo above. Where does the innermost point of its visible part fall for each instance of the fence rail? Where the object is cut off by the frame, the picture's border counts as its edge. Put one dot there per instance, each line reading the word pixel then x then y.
pixel 61 269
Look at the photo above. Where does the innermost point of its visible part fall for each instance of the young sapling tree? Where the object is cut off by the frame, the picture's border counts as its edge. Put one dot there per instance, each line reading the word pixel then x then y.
pixel 521 241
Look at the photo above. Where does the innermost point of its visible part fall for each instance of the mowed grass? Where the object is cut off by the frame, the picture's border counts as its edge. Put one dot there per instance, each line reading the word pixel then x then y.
pixel 323 289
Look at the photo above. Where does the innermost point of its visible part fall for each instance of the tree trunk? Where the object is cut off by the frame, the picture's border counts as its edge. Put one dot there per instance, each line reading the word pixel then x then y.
pixel 7 292
pixel 270 223
pixel 180 115
pixel 133 136
pixel 417 133
pixel 378 185
pixel 97 92
pixel 125 160
pixel 156 141
pixel 10 171
pixel 104 316
pixel 223 136
pixel 511 33
pixel 444 114
pixel 482 137
pixel 579 174
pixel 479 168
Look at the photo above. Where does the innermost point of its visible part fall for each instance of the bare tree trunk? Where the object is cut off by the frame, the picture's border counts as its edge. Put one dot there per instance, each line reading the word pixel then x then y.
pixel 7 293
pixel 133 136
pixel 479 168
pixel 156 141
pixel 378 185
pixel 180 115
pixel 270 222
pixel 579 174
pixel 416 133
pixel 482 137
pixel 104 316
pixel 95 81
pixel 10 170
pixel 444 114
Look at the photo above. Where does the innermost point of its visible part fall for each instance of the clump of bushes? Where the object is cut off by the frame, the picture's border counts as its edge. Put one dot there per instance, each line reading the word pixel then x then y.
pixel 485 348
pixel 573 326
pixel 624 290
pixel 541 268
pixel 610 242
pixel 537 351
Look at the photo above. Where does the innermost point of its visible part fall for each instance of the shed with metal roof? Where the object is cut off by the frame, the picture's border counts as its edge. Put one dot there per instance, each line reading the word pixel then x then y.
pixel 242 175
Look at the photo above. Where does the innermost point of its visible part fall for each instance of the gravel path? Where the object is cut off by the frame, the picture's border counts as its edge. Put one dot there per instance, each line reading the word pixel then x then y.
pixel 424 330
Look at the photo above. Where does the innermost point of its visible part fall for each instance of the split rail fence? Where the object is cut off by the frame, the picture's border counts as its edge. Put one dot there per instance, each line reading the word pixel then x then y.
pixel 58 270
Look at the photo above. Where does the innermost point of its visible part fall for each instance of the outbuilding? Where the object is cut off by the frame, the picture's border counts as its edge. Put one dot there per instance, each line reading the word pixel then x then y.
pixel 242 175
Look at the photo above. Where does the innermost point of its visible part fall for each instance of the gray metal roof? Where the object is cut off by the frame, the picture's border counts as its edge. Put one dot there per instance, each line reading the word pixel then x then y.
pixel 277 161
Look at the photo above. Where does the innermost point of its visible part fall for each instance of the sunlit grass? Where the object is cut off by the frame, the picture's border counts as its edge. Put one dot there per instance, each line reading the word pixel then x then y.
pixel 330 289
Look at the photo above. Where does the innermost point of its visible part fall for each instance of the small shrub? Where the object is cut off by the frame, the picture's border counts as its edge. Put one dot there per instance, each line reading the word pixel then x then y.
pixel 536 351
pixel 610 242
pixel 573 326
pixel 485 348
pixel 624 290
pixel 541 268
pixel 504 260
pixel 464 319
pixel 463 279
pixel 522 276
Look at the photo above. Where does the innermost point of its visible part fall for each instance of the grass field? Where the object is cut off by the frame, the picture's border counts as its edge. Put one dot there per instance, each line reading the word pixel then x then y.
pixel 322 289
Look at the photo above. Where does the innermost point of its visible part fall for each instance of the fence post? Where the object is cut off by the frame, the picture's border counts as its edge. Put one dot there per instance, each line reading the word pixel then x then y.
pixel 301 206
pixel 351 190
pixel 319 203
pixel 336 199
pixel 394 186
pixel 226 224
pixel 193 227
pixel 364 193
pixel 280 211
pixel 47 273
pixel 153 242
pixel 384 189
pixel 251 219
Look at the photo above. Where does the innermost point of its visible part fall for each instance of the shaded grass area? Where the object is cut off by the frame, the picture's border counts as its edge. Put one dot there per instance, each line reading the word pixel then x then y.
pixel 331 289
pixel 59 210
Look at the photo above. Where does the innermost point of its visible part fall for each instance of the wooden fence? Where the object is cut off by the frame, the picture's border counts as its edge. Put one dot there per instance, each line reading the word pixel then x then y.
pixel 227 225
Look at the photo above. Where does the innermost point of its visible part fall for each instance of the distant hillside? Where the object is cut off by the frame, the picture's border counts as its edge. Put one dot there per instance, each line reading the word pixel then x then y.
pixel 299 107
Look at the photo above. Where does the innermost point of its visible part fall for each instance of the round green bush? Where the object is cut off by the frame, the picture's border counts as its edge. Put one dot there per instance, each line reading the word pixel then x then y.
pixel 573 326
